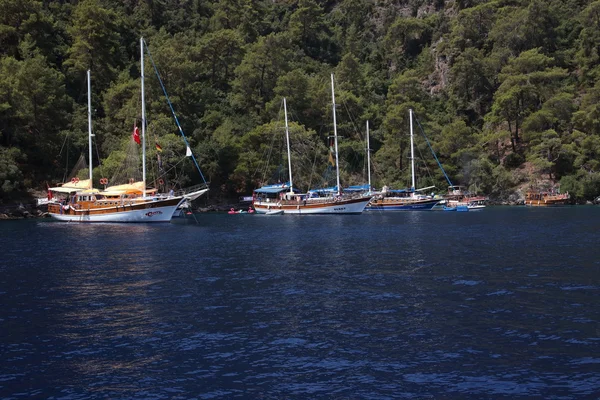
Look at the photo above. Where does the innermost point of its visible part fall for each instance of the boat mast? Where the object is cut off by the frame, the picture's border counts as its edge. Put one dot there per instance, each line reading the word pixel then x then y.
pixel 337 164
pixel 412 152
pixel 287 135
pixel 143 116
pixel 90 134
pixel 368 157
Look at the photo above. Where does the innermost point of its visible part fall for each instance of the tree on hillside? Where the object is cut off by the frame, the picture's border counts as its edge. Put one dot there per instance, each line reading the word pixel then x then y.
pixel 34 108
pixel 526 82
pixel 471 88
pixel 589 54
pixel 404 41
pixel 256 76
pixel 27 20
pixel 95 43
pixel 218 54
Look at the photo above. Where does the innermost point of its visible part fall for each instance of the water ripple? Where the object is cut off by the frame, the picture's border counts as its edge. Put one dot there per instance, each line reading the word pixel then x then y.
pixel 369 307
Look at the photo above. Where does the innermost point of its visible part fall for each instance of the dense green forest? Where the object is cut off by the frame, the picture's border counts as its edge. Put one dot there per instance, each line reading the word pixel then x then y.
pixel 506 91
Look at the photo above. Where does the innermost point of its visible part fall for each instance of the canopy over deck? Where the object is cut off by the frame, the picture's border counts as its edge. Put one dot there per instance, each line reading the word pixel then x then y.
pixel 277 188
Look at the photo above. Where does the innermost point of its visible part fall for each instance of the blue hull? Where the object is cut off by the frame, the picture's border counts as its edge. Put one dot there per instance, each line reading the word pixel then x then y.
pixel 402 207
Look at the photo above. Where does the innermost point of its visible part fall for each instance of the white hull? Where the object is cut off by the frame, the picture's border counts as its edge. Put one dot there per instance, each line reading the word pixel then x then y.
pixel 476 206
pixel 342 207
pixel 156 214
pixel 274 212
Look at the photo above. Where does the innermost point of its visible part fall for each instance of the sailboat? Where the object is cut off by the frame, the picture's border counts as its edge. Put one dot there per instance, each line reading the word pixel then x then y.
pixel 404 199
pixel 283 197
pixel 132 202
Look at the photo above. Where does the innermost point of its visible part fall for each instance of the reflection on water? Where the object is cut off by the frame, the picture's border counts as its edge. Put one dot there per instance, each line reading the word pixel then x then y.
pixel 499 303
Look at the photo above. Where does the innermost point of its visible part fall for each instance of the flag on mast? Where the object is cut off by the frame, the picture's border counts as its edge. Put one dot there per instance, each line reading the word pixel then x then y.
pixel 136 135
pixel 188 152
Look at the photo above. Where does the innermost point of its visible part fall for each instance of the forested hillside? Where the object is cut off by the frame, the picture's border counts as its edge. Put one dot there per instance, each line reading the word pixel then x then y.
pixel 506 91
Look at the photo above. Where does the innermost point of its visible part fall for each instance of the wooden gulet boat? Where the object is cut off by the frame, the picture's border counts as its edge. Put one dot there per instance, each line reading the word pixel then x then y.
pixel 546 199
pixel 271 198
pixel 131 202
pixel 115 205
pixel 268 199
pixel 458 196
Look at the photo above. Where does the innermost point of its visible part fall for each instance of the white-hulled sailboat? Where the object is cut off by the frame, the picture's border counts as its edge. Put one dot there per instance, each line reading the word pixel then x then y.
pixel 273 198
pixel 132 202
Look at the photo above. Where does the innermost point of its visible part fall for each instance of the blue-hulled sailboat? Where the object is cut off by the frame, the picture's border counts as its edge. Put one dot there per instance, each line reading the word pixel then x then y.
pixel 410 199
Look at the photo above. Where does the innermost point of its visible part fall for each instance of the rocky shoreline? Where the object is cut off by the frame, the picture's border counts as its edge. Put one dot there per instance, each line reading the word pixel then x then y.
pixel 22 211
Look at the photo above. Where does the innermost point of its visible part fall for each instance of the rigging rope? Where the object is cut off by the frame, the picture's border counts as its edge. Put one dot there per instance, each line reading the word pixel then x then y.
pixel 433 152
pixel 173 111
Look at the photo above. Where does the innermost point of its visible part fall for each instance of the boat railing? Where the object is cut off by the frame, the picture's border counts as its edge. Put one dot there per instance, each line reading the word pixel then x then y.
pixel 271 201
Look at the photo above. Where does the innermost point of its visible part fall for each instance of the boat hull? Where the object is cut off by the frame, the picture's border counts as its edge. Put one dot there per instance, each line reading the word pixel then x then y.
pixel 476 206
pixel 401 205
pixel 472 205
pixel 542 203
pixel 274 212
pixel 350 206
pixel 151 211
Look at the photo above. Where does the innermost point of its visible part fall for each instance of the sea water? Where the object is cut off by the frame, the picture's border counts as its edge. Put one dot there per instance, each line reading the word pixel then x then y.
pixel 497 303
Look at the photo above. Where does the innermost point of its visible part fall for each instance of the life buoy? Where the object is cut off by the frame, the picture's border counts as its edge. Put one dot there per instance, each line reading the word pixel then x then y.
pixel 161 182
pixel 103 181
pixel 338 198
pixel 75 180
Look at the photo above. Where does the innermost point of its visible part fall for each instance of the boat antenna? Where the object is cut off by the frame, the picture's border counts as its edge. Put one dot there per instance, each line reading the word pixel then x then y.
pixel 287 135
pixel 175 116
pixel 337 164
pixel 433 152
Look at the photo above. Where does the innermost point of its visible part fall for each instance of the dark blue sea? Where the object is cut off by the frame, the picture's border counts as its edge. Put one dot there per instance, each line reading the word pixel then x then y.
pixel 501 303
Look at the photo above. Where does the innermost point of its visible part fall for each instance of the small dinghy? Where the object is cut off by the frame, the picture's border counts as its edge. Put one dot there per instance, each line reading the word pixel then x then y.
pixel 274 212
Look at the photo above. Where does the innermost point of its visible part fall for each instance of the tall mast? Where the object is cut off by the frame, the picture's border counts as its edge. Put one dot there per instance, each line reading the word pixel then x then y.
pixel 368 157
pixel 287 135
pixel 143 116
pixel 90 135
pixel 412 152
pixel 337 164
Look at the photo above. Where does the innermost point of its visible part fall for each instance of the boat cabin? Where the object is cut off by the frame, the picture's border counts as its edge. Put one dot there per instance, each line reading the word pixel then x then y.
pixel 272 193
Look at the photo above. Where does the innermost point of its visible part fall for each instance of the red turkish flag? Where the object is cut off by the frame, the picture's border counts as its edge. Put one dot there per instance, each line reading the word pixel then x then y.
pixel 136 135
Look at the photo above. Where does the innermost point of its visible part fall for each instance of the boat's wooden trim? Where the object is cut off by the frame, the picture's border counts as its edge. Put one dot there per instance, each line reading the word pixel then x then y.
pixel 400 202
pixel 101 207
pixel 309 206
pixel 543 199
